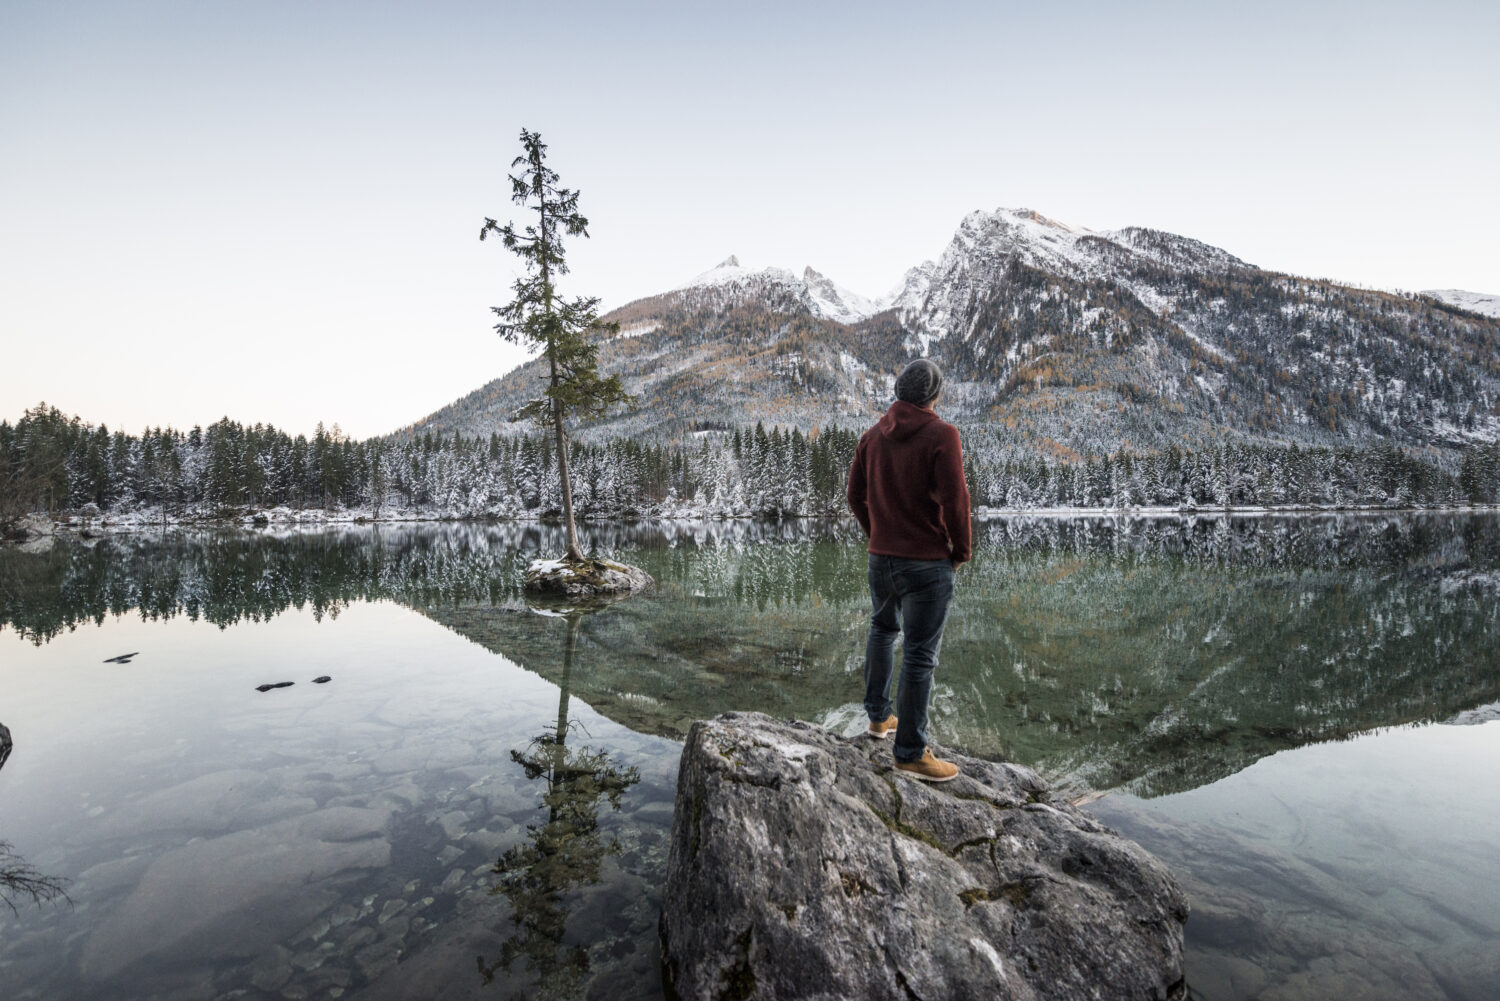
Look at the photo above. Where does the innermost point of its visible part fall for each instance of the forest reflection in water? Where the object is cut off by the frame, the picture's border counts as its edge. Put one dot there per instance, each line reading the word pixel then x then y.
pixel 527 829
pixel 1148 654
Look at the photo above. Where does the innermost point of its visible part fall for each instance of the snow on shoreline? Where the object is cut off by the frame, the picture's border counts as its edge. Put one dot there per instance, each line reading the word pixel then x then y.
pixel 316 518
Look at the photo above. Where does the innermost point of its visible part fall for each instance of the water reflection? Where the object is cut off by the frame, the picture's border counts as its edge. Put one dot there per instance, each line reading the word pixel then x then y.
pixel 1150 655
pixel 561 854
pixel 1158 657
pixel 20 879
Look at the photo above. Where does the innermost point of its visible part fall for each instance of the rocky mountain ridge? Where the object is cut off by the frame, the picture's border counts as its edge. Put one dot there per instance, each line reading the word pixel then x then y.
pixel 730 284
pixel 1474 302
pixel 1056 340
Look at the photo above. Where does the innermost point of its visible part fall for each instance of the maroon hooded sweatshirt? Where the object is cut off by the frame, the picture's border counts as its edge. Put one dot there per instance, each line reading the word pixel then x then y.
pixel 907 486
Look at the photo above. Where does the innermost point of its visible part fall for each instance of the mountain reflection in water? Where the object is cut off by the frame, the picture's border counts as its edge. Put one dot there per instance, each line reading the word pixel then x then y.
pixel 1146 655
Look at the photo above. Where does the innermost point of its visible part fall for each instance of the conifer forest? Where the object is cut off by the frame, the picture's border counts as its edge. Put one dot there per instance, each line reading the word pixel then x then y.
pixel 56 463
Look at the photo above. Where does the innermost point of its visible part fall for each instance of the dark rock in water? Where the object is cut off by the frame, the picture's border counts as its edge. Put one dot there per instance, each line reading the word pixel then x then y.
pixel 591 578
pixel 279 684
pixel 803 866
pixel 322 679
pixel 123 658
pixel 5 744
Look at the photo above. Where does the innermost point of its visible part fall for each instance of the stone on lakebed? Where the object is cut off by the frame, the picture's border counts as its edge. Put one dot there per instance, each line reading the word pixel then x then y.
pixel 803 866
pixel 590 578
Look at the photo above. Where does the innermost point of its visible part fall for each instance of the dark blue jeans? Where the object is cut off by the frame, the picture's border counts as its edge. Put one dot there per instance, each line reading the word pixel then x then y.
pixel 910 597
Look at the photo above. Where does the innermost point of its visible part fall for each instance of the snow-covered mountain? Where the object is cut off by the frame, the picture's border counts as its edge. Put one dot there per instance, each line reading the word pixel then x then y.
pixel 834 302
pixel 1474 302
pixel 1055 339
pixel 731 284
pixel 938 297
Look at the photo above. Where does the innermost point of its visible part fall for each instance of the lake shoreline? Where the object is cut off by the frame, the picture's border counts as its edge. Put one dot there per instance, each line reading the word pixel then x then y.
pixel 132 522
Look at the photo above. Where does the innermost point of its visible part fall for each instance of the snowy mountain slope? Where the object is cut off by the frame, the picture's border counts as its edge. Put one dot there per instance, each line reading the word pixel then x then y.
pixel 834 302
pixel 1474 302
pixel 1144 336
pixel 937 301
pixel 705 365
pixel 730 284
pixel 1056 339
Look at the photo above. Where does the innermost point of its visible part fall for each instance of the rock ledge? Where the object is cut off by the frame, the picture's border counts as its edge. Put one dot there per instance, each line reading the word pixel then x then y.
pixel 803 866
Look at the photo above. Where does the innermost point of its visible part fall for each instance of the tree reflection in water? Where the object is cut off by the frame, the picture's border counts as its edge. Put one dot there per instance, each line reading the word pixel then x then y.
pixel 561 855
pixel 18 878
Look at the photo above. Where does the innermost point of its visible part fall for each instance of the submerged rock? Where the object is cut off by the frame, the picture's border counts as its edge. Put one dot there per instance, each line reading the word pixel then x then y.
pixel 279 684
pixel 590 578
pixel 233 897
pixel 803 866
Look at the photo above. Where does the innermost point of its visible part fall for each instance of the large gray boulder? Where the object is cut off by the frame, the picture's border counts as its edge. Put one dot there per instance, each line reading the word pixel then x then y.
pixel 802 865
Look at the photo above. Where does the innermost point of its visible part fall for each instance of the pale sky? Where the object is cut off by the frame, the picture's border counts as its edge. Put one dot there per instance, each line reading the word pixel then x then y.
pixel 270 210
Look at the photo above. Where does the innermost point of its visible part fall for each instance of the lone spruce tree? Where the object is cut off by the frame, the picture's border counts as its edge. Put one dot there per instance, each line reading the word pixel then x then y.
pixel 566 330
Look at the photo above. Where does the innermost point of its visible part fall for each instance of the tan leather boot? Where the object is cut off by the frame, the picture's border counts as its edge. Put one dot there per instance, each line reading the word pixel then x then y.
pixel 929 769
pixel 883 730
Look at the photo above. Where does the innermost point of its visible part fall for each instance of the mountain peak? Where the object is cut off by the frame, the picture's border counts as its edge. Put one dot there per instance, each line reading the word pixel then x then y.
pixel 780 290
pixel 728 271
pixel 1482 303
pixel 830 300
pixel 1033 216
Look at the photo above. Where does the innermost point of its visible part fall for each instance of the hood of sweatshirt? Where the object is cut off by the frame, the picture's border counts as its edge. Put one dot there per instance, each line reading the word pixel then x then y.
pixel 904 420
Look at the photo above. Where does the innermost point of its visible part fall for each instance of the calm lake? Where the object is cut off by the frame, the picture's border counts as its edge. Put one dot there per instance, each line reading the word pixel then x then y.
pixel 1299 716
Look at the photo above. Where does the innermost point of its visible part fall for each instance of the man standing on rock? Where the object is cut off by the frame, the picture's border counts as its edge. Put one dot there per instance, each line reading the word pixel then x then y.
pixel 907 489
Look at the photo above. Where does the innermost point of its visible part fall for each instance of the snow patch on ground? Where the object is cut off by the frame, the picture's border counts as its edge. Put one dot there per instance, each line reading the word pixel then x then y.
pixel 548 567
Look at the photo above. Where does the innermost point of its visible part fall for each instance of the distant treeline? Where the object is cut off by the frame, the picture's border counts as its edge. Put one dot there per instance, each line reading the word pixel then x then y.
pixel 1241 475
pixel 52 462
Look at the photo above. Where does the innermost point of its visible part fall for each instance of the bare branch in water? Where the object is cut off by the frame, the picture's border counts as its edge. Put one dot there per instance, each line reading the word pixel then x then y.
pixel 20 879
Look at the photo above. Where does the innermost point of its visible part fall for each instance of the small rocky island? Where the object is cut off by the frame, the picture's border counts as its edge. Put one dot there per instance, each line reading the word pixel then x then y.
pixel 587 578
pixel 803 866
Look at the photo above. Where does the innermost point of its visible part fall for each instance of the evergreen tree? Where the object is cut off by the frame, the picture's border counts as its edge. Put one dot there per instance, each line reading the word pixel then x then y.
pixel 539 318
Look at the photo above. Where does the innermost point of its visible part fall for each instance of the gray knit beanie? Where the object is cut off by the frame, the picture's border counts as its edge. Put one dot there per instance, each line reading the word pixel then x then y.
pixel 919 382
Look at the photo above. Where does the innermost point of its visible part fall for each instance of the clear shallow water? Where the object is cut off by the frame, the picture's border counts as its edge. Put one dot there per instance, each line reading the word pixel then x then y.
pixel 1358 869
pixel 341 840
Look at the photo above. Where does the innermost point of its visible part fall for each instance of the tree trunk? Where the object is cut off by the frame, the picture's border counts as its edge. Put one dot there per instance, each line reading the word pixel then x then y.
pixel 575 554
